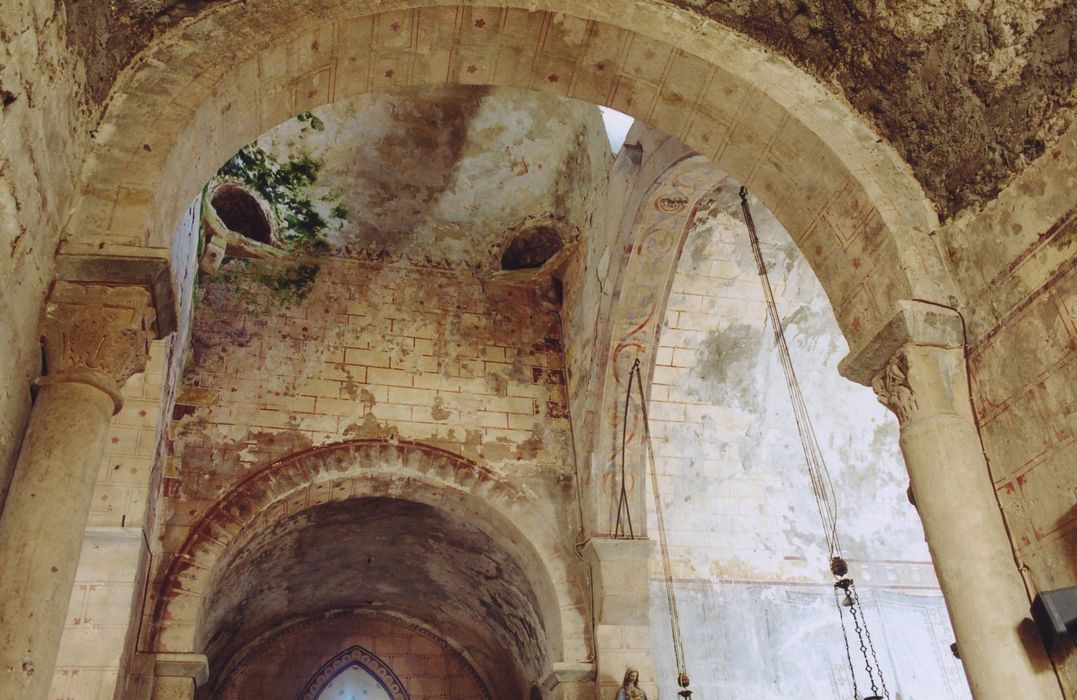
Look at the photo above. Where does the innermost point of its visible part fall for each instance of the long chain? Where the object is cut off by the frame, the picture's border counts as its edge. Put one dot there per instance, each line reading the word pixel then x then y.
pixel 663 540
pixel 624 512
pixel 867 637
pixel 821 485
pixel 845 637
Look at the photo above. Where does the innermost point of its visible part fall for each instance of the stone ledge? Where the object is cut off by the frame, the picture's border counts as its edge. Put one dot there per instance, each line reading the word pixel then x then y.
pixel 568 672
pixel 144 267
pixel 172 665
pixel 605 549
pixel 915 322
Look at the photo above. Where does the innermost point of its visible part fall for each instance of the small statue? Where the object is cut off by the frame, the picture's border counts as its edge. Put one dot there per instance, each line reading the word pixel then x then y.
pixel 630 689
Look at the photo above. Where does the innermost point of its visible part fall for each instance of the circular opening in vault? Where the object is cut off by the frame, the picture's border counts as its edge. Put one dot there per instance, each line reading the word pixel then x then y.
pixel 530 248
pixel 241 212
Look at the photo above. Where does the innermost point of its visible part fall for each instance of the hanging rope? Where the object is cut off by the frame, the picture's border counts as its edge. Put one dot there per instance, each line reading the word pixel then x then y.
pixel 822 486
pixel 636 377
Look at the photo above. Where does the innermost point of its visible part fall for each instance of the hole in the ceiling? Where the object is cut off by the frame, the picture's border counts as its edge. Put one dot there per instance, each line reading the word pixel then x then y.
pixel 241 212
pixel 531 248
pixel 617 126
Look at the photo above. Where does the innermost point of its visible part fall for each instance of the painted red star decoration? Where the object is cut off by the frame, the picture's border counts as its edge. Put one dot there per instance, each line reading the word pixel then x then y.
pixel 480 23
pixel 553 78
pixel 389 73
pixel 472 68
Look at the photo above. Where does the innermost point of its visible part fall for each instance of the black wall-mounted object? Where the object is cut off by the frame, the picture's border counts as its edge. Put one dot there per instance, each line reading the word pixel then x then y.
pixel 1055 613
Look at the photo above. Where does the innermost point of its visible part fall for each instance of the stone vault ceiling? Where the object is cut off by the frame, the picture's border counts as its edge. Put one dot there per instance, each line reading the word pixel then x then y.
pixel 1004 70
pixel 443 178
pixel 387 555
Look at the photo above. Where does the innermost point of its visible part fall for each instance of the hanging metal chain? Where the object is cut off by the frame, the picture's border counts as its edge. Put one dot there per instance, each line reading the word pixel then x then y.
pixel 822 486
pixel 867 636
pixel 845 638
pixel 663 541
pixel 624 511
pixel 863 649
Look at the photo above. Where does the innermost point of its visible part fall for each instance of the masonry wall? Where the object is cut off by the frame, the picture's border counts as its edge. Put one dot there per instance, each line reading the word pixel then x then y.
pixel 279 667
pixel 756 603
pixel 1016 263
pixel 286 356
pixel 43 136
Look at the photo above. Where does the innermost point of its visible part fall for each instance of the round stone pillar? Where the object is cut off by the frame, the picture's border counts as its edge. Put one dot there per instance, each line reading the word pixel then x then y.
pixel 926 387
pixel 95 337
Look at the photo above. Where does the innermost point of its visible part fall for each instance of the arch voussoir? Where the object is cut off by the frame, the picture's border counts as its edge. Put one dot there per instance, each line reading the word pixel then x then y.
pixel 221 79
pixel 361 469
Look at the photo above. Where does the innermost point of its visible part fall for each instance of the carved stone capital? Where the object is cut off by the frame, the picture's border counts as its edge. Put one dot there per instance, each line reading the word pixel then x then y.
pixel 96 334
pixel 924 380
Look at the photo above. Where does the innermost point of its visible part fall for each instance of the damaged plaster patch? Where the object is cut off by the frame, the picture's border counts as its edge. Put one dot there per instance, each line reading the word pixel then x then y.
pixel 724 366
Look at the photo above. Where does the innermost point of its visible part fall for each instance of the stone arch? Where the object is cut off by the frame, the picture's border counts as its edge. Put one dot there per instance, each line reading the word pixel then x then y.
pixel 364 659
pixel 366 468
pixel 654 244
pixel 217 81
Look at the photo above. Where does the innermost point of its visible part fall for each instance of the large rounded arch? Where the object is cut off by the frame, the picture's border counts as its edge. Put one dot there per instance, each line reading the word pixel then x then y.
pixel 442 486
pixel 217 81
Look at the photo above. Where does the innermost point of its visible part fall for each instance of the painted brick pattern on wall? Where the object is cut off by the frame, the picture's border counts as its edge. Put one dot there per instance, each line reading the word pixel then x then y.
pixel 365 352
pixel 1020 302
pixel 370 352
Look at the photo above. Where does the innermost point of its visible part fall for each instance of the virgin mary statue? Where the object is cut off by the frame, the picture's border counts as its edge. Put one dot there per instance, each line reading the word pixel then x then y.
pixel 630 689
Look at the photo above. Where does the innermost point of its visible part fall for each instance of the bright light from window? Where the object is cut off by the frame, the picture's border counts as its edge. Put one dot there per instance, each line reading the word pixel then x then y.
pixel 354 683
pixel 617 126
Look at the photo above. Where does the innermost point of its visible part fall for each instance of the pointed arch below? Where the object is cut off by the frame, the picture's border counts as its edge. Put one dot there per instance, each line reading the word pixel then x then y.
pixel 374 468
pixel 352 657
pixel 216 82
pixel 231 673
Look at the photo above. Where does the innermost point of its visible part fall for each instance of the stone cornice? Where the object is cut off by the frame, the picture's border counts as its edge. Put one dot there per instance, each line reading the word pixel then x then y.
pixel 915 322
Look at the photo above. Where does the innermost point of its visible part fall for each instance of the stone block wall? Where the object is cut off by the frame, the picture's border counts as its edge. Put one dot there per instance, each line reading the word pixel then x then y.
pixel 1016 263
pixel 287 356
pixel 43 137
pixel 756 605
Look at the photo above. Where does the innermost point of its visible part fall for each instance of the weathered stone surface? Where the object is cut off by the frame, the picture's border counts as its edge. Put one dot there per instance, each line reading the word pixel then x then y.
pixel 513 381
pixel 1003 69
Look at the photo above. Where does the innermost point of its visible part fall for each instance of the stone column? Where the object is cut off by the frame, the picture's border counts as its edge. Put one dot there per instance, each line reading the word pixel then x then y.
pixel 622 602
pixel 925 383
pixel 177 675
pixel 95 336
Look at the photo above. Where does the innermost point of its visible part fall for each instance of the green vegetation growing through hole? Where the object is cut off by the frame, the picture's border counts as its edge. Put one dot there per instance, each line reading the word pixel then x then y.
pixel 314 122
pixel 286 185
pixel 289 284
pixel 293 285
